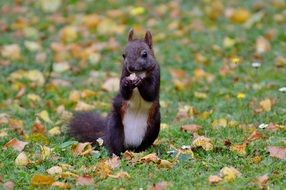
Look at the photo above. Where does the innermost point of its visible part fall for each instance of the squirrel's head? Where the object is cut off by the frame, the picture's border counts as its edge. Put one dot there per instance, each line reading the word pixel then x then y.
pixel 138 54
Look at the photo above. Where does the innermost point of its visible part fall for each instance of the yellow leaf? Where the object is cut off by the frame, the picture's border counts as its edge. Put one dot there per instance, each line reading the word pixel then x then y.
pixel 202 141
pixel 240 16
pixel 82 149
pixel 137 11
pixel 219 123
pixel 54 131
pixel 200 95
pixel 239 148
pixel 262 45
pixel 42 180
pixel 120 175
pixel 229 173
pixel 91 21
pixel 266 105
pixel 164 164
pixel 150 158
pixel 103 170
pixel 51 5
pixel 44 115
pixel 34 97
pixel 228 42
pixel 45 152
pixel 69 34
pixel 11 51
pixel 22 159
pixel 82 106
pixel 61 185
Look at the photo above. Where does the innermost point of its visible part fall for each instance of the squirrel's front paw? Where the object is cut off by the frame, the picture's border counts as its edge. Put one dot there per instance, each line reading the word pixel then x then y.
pixel 131 82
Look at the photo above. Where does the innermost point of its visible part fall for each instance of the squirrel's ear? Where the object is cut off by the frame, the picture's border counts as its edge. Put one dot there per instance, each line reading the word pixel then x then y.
pixel 130 34
pixel 148 39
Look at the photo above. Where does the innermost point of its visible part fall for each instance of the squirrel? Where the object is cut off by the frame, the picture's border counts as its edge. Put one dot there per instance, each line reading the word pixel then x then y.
pixel 134 120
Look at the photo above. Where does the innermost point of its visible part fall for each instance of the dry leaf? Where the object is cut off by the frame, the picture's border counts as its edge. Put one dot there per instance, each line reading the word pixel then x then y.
pixel 82 106
pixel 128 155
pixel 255 135
pixel 262 45
pixel 120 175
pixel 11 51
pixel 45 152
pixel 67 175
pixel 111 85
pixel 266 105
pixel 55 170
pixel 44 115
pixel 84 180
pixel 150 158
pixel 192 128
pixel 114 162
pixel 213 179
pixel 69 34
pixel 239 148
pixel 16 144
pixel 277 152
pixel 22 159
pixel 9 185
pixel 50 6
pixel 202 141
pixel 160 186
pixel 164 164
pixel 38 128
pixel 219 123
pixel 82 149
pixel 42 180
pixel 229 173
pixel 239 16
pixel 54 131
pixel 103 170
pixel 262 181
pixel 61 185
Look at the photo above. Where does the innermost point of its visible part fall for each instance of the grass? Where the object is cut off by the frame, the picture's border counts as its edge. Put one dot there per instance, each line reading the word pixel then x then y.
pixel 177 46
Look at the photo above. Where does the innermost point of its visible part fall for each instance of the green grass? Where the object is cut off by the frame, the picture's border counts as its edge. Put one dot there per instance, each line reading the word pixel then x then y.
pixel 177 49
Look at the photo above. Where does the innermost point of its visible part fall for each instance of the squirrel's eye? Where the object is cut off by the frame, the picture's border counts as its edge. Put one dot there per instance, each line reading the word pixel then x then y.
pixel 144 54
pixel 123 55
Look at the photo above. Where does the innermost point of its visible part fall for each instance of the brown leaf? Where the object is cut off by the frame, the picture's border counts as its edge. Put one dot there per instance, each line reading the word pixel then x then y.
pixel 42 180
pixel 103 170
pixel 9 185
pixel 82 149
pixel 262 181
pixel 16 126
pixel 114 162
pixel 262 45
pixel 160 186
pixel 255 135
pixel 192 128
pixel 120 175
pixel 277 152
pixel 239 148
pixel 213 179
pixel 150 158
pixel 266 105
pixel 84 180
pixel 38 128
pixel 16 144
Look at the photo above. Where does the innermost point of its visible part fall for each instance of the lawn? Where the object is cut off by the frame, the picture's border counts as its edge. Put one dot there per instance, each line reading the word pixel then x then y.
pixel 222 96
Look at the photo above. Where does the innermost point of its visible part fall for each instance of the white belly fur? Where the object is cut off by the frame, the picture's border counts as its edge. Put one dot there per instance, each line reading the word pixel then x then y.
pixel 135 119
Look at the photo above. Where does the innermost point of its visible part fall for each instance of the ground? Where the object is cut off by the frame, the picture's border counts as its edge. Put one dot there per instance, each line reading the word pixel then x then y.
pixel 222 72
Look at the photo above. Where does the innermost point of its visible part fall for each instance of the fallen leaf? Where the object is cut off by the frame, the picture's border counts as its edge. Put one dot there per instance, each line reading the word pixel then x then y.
pixel 16 144
pixel 69 34
pixel 262 181
pixel 82 106
pixel 160 186
pixel 11 51
pixel 42 180
pixel 213 179
pixel 50 6
pixel 277 152
pixel 82 149
pixel 44 115
pixel 84 180
pixel 150 158
pixel 120 175
pixel 61 185
pixel 54 131
pixel 219 123
pixel 229 173
pixel 17 126
pixel 137 11
pixel 3 133
pixel 114 162
pixel 202 141
pixel 255 135
pixel 262 45
pixel 38 128
pixel 111 85
pixel 239 148
pixel 67 175
pixel 239 16
pixel 191 128
pixel 164 164
pixel 9 185
pixel 266 105
pixel 103 170
pixel 55 170
pixel 22 159
pixel 256 159
pixel 45 152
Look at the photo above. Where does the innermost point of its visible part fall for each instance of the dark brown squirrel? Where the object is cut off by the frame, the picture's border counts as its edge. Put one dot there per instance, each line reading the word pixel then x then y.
pixel 134 121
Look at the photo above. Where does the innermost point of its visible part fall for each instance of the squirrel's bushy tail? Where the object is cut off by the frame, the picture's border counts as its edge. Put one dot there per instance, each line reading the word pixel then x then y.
pixel 87 126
